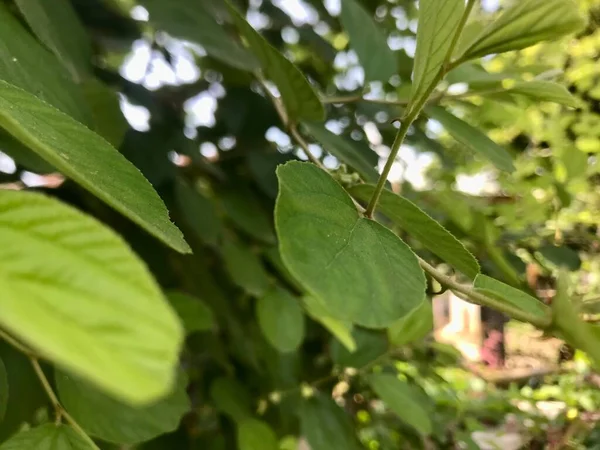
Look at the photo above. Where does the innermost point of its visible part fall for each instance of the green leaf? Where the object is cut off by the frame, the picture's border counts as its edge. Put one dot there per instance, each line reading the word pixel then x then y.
pixel 95 310
pixel 525 23
pixel 370 345
pixel 345 151
pixel 56 24
pixel 246 212
pixel 231 398
pixel 253 434
pixel 244 267
pixel 3 390
pixel 568 325
pixel 88 159
pixel 546 91
pixel 193 312
pixel 369 42
pixel 111 420
pixel 299 98
pixel 561 257
pixel 23 155
pixel 416 222
pixel 107 117
pixel 326 426
pixel 437 26
pixel 199 212
pixel 414 326
pixel 47 437
pixel 403 400
pixel 342 330
pixel 472 138
pixel 192 20
pixel 280 319
pixel 360 270
pixel 26 64
pixel 497 289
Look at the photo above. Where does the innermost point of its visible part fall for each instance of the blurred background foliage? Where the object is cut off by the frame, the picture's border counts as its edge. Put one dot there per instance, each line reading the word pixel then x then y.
pixel 170 89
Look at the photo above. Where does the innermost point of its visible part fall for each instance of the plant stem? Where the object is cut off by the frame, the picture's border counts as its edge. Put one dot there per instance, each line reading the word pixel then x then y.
pixel 304 145
pixel 483 300
pixel 16 344
pixel 58 408
pixel 404 126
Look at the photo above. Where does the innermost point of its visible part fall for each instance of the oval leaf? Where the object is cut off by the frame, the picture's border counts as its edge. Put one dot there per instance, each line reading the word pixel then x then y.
pixel 360 270
pixel 47 437
pixel 345 151
pixel 113 421
pixel 403 400
pixel 525 23
pixel 369 42
pixel 88 159
pixel 414 326
pixel 472 138
pixel 247 214
pixel 419 224
pixel 437 26
pixel 497 289
pixel 193 312
pixel 342 330
pixel 326 426
pixel 56 24
pixel 244 267
pixel 199 213
pixel 253 434
pixel 299 98
pixel 281 320
pixel 95 309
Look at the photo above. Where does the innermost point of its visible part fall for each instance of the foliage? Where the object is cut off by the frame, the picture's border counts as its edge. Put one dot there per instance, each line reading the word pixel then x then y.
pixel 257 282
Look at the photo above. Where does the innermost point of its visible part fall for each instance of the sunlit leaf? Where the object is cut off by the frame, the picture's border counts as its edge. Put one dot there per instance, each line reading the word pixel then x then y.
pixel 360 270
pixel 95 309
pixel 525 23
pixel 546 91
pixel 281 320
pixel 300 99
pixel 88 159
pixel 402 399
pixel 111 420
pixel 438 22
pixel 419 224
pixel 368 41
pixel 472 138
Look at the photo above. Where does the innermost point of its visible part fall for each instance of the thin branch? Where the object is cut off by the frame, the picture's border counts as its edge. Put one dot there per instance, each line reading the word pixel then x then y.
pixel 16 344
pixel 304 145
pixel 470 294
pixel 58 408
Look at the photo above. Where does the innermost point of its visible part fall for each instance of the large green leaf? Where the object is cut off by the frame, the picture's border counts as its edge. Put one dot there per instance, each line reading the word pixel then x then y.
pixel 95 309
pixel 199 212
pixel 403 400
pixel 56 24
pixel 369 42
pixel 111 420
pixel 472 138
pixel 416 222
pixel 546 91
pixel 3 390
pixel 360 270
pixel 515 297
pixel 192 20
pixel 438 22
pixel 525 23
pixel 244 267
pixel 342 330
pixel 193 312
pixel 25 63
pixel 281 319
pixel 254 434
pixel 326 426
pixel 300 99
pixel 345 151
pixel 88 159
pixel 47 437
pixel 414 326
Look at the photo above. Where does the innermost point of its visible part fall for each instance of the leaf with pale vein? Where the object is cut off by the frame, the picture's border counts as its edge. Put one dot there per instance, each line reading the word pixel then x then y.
pixel 360 270
pixel 88 159
pixel 280 319
pixel 438 22
pixel 75 292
